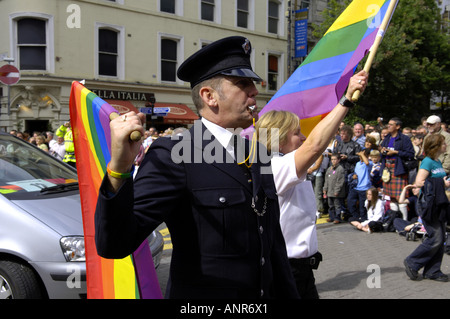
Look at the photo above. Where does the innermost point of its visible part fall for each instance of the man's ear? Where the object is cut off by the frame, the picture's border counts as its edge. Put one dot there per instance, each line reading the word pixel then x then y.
pixel 208 95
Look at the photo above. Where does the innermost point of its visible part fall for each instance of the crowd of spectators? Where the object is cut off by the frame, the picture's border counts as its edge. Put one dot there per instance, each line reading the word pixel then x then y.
pixel 366 176
pixel 354 162
pixel 385 157
pixel 50 142
pixel 46 141
pixel 152 134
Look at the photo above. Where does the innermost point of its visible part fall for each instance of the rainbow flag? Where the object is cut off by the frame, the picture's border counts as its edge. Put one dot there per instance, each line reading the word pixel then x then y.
pixel 315 88
pixel 134 276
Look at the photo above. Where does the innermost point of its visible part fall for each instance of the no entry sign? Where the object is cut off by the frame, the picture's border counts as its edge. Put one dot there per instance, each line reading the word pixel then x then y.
pixel 9 74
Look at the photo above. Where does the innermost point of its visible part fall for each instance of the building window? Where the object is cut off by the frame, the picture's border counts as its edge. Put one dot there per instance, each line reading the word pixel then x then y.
pixel 272 74
pixel 32 44
pixel 32 41
pixel 207 10
pixel 273 16
pixel 110 54
pixel 242 13
pixel 167 6
pixel 210 10
pixel 172 6
pixel 204 43
pixel 169 55
pixel 304 4
pixel 107 52
pixel 117 1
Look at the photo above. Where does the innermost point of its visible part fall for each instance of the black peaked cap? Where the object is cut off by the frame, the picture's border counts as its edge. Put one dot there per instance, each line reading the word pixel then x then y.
pixel 227 56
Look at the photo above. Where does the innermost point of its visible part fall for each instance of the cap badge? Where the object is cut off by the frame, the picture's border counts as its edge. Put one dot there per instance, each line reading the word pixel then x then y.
pixel 246 46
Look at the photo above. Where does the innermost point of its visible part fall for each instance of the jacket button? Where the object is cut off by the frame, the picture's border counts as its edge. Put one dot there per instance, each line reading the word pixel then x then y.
pixel 222 199
pixel 263 261
pixel 262 292
pixel 261 229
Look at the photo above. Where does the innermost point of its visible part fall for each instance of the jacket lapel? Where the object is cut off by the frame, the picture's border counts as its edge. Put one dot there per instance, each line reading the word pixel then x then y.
pixel 215 154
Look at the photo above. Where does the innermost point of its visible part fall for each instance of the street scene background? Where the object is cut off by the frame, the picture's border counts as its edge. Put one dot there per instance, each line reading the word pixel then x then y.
pixel 352 261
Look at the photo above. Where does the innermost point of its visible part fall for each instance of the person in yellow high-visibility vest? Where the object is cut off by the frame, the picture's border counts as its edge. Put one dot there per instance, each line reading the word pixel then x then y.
pixel 65 131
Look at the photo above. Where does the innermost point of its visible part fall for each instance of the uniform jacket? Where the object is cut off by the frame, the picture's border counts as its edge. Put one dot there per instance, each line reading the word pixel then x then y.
pixel 403 144
pixel 335 182
pixel 66 133
pixel 221 248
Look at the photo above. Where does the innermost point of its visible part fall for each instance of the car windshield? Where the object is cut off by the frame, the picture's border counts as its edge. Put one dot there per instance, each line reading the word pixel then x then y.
pixel 24 168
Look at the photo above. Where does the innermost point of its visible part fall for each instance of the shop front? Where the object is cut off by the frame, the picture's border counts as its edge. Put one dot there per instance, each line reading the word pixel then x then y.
pixel 158 115
pixel 33 109
pixel 46 107
pixel 177 115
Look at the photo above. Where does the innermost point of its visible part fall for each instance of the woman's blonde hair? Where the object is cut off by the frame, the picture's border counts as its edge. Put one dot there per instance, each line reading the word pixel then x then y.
pixel 273 128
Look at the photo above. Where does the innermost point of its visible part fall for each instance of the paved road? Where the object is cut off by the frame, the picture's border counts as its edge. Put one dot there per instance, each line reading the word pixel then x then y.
pixel 361 266
pixel 346 271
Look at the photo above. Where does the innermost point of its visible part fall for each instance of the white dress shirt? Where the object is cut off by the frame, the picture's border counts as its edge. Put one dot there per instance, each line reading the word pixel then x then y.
pixel 222 135
pixel 297 207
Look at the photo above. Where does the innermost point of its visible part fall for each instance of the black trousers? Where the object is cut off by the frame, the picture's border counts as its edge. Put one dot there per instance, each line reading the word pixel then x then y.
pixel 304 278
pixel 430 252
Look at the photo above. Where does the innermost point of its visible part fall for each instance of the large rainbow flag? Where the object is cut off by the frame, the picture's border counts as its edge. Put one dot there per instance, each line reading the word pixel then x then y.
pixel 315 88
pixel 134 276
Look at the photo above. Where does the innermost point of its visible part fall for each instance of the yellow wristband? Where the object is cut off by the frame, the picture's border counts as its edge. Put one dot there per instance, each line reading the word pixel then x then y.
pixel 119 175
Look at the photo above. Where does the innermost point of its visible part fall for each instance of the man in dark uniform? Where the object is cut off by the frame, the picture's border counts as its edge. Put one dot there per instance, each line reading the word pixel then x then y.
pixel 223 217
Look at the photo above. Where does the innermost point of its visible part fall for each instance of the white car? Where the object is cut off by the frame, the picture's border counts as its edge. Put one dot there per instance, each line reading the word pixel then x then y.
pixel 41 230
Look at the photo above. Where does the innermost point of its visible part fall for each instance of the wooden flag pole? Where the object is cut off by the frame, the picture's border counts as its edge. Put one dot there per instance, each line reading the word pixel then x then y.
pixel 134 136
pixel 376 44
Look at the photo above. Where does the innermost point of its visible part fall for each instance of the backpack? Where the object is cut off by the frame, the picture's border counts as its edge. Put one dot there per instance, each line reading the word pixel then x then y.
pixel 388 220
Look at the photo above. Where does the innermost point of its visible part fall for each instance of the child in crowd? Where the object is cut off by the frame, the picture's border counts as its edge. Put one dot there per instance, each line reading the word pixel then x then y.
pixel 402 224
pixel 375 213
pixel 334 188
pixel 358 193
pixel 417 142
pixel 375 173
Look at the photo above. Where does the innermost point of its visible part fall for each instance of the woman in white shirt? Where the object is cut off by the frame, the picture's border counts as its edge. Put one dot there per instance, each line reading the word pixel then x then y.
pixel 293 155
pixel 375 211
pixel 296 198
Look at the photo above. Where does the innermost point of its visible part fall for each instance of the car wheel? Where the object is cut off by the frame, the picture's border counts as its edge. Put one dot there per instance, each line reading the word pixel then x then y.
pixel 18 281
